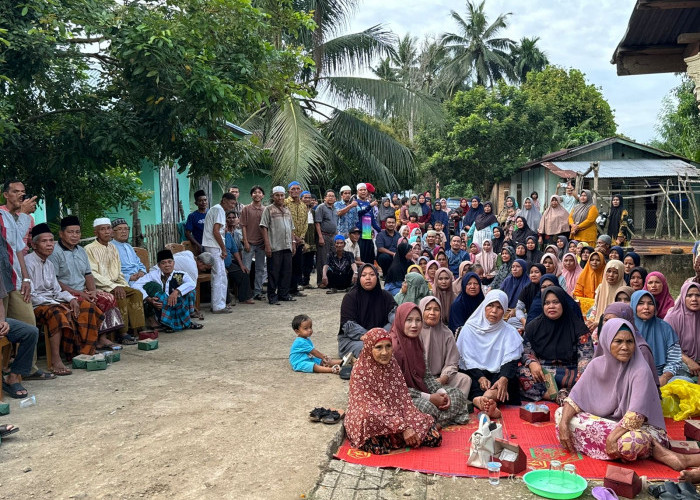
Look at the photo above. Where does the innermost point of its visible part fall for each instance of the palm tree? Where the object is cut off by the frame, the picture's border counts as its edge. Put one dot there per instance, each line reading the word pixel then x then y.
pixel 526 57
pixel 477 48
pixel 314 138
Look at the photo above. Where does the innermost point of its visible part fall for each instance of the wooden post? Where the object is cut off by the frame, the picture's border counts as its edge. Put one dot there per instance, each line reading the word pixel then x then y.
pixel 595 165
pixel 668 202
pixel 659 219
pixel 136 236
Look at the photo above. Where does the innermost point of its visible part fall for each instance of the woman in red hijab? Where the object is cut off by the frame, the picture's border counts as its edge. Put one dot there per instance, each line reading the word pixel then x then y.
pixel 381 416
pixel 448 405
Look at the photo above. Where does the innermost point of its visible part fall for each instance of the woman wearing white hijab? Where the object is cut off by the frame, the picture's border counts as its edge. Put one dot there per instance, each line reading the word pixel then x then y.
pixel 490 350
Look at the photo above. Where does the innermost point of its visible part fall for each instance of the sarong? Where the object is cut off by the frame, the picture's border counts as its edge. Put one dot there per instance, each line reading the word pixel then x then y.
pixel 79 336
pixel 176 317
pixel 131 309
pixel 107 303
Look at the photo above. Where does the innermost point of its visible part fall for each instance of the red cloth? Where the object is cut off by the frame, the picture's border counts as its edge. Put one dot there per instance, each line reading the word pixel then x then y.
pixel 379 403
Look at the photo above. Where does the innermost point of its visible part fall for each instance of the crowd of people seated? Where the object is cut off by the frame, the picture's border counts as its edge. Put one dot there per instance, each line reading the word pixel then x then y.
pixel 441 307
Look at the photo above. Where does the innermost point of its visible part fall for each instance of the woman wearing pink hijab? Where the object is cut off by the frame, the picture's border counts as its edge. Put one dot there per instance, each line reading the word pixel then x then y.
pixel 571 270
pixel 657 285
pixel 628 422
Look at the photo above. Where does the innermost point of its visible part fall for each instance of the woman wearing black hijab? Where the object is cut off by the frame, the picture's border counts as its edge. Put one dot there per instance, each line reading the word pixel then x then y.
pixel 364 307
pixel 498 240
pixel 521 231
pixel 617 219
pixel 398 268
pixel 555 341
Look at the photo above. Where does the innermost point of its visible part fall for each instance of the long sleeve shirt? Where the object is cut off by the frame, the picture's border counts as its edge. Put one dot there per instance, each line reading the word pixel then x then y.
pixel 131 264
pixel 185 283
pixel 45 286
pixel 106 266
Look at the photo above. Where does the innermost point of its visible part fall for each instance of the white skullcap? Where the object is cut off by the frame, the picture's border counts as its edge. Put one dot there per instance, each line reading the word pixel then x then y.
pixel 361 185
pixel 102 221
pixel 278 189
pixel 345 188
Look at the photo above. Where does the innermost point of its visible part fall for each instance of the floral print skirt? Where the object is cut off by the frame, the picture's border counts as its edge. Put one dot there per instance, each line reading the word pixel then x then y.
pixel 590 432
pixel 385 444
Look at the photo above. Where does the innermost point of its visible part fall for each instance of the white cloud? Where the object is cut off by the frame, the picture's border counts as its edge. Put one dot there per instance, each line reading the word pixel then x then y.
pixel 579 34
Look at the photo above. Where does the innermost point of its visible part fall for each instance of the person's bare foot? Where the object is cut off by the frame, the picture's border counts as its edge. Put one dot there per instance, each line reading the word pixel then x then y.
pixel 690 476
pixel 667 457
pixel 60 370
pixel 488 406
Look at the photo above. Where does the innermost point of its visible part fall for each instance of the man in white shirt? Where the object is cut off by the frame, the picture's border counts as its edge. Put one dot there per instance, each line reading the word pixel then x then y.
pixel 168 294
pixel 213 242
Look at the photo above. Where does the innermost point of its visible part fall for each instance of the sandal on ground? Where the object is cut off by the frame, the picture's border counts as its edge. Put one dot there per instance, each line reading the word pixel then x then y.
pixel 318 413
pixel 331 291
pixel 669 489
pixel 40 375
pixel 198 315
pixel 7 429
pixel 195 326
pixel 13 390
pixel 688 490
pixel 62 372
pixel 167 329
pixel 603 493
pixel 345 372
pixel 127 339
pixel 333 417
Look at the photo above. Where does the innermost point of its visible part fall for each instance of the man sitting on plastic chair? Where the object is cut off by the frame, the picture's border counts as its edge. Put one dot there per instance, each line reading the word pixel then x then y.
pixel 169 295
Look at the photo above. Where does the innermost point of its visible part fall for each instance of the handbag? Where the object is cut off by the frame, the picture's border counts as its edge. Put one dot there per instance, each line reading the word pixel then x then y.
pixel 483 442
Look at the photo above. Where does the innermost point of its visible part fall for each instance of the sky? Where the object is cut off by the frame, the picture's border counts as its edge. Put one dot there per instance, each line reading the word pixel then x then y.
pixel 578 34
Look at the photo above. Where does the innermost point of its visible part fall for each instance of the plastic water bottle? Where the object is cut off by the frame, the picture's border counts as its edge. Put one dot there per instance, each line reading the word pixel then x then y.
pixel 27 402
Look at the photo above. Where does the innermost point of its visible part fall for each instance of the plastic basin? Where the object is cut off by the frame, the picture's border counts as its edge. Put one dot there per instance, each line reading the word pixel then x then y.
pixel 555 484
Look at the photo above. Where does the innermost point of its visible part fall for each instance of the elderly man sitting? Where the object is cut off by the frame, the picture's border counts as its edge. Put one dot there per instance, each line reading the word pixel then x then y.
pixel 74 274
pixel 132 267
pixel 168 294
pixel 73 326
pixel 107 271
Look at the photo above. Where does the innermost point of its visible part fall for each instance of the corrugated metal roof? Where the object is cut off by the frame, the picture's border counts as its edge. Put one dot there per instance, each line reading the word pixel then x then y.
pixel 657 26
pixel 610 169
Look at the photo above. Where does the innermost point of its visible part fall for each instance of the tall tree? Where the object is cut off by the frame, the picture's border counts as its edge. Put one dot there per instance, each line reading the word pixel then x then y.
pixel 491 132
pixel 678 124
pixel 98 84
pixel 526 57
pixel 340 146
pixel 477 48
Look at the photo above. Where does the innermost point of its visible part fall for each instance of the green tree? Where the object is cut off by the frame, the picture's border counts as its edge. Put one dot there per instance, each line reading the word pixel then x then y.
pixel 571 102
pixel 476 48
pixel 678 124
pixel 312 138
pixel 526 57
pixel 489 133
pixel 98 84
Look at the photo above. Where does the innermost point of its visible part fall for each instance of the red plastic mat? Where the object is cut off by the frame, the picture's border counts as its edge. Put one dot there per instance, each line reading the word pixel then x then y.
pixel 538 441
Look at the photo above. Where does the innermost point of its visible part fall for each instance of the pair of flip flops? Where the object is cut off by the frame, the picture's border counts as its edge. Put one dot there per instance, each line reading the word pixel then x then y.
pixel 326 415
pixel 671 490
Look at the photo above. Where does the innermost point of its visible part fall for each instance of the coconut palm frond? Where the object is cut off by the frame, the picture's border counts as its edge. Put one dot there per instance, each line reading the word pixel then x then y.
pixel 378 96
pixel 297 146
pixel 357 50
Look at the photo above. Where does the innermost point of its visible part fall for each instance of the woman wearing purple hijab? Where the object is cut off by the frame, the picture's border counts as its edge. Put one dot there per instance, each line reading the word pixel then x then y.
pixel 623 310
pixel 629 418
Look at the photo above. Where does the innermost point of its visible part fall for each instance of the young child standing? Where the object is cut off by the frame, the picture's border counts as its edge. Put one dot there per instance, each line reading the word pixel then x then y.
pixel 303 356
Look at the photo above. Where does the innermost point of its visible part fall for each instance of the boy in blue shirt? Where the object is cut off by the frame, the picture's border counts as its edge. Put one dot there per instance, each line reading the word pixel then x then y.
pixel 303 356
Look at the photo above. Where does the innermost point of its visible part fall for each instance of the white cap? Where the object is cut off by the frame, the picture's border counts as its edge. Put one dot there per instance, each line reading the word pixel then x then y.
pixel 278 189
pixel 361 185
pixel 101 222
pixel 345 188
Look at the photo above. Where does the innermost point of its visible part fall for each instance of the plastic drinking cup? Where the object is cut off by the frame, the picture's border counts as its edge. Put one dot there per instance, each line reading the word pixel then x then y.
pixel 494 469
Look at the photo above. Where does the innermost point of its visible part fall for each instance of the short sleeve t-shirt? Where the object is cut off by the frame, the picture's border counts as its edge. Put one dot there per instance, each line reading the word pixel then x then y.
pixel 300 354
pixel 195 225
pixel 215 215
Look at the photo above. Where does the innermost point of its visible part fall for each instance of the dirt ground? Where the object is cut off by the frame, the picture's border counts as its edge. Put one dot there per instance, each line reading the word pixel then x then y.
pixel 215 413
